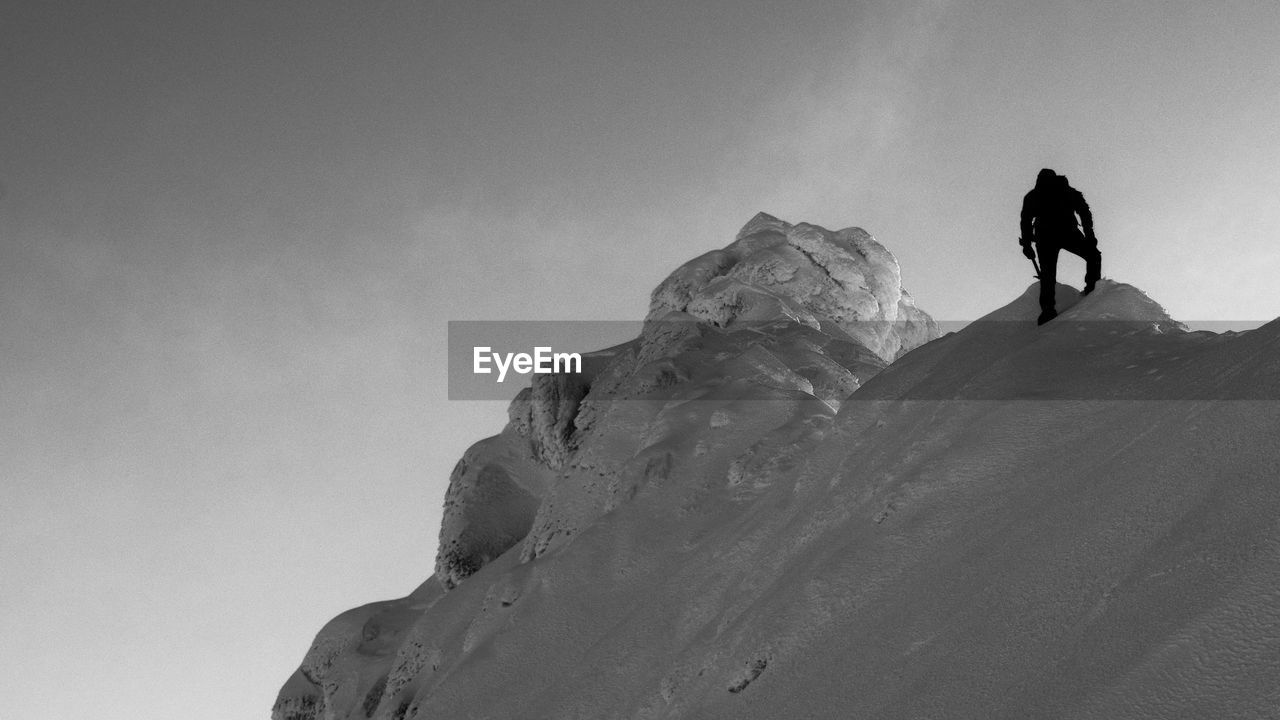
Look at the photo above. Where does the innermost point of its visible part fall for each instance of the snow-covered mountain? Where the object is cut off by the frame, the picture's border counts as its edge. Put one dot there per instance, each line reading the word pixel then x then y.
pixel 788 498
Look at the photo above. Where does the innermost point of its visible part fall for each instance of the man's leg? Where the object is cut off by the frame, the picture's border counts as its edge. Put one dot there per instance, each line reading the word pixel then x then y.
pixel 1048 253
pixel 1092 261
pixel 1092 268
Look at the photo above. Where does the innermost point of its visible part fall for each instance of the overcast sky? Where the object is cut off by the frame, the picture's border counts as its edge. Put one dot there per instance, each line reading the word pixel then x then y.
pixel 231 236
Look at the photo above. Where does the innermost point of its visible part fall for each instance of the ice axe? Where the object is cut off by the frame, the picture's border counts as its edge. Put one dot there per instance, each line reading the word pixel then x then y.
pixel 1032 257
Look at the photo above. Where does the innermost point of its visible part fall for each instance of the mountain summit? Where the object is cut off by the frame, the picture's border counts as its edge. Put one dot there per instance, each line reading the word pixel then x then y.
pixel 788 497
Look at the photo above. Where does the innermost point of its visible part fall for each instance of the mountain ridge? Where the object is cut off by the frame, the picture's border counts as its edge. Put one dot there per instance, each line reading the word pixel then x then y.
pixel 749 511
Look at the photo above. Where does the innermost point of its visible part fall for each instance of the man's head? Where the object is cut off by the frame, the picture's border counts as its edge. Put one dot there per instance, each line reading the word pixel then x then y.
pixel 1045 178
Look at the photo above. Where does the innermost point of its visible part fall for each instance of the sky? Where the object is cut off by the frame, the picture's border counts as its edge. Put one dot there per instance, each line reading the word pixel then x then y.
pixel 232 236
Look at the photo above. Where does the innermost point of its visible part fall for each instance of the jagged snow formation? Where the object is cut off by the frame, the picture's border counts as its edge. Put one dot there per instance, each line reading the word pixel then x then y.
pixel 803 272
pixel 1076 520
pixel 797 316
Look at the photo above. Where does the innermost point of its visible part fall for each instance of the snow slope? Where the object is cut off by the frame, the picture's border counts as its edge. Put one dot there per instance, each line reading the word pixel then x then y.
pixel 1080 520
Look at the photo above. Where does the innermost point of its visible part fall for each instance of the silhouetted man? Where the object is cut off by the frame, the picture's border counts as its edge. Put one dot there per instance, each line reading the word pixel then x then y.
pixel 1049 219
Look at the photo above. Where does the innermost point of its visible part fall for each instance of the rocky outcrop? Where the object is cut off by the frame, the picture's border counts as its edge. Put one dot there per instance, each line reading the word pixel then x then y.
pixel 785 322
pixel 489 506
pixel 784 309
pixel 804 273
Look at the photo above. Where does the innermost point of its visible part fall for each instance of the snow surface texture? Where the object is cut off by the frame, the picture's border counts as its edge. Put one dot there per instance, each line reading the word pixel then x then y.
pixel 1077 520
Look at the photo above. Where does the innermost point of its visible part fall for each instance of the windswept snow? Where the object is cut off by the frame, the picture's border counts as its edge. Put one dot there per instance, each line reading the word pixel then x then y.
pixel 760 520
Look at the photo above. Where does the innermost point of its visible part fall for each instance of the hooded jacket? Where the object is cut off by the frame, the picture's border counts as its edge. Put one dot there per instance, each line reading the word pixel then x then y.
pixel 1049 211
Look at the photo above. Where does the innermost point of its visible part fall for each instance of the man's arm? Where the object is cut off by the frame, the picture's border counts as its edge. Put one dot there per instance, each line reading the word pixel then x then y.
pixel 1028 214
pixel 1086 217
